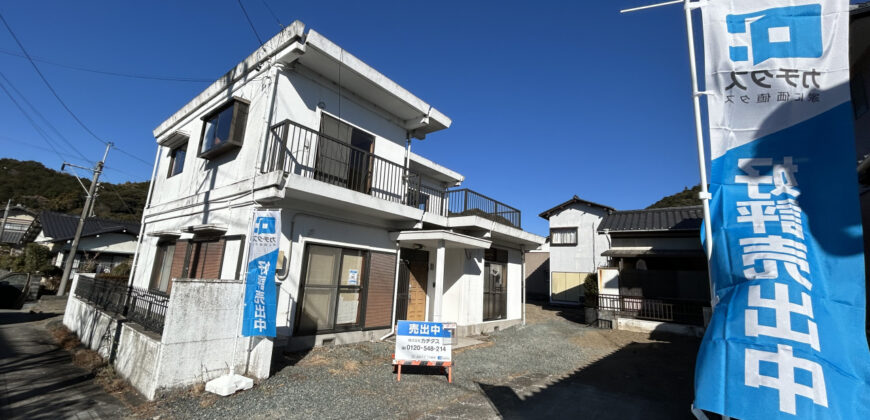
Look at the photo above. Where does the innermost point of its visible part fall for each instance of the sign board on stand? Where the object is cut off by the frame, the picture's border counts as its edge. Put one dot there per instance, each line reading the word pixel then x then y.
pixel 424 344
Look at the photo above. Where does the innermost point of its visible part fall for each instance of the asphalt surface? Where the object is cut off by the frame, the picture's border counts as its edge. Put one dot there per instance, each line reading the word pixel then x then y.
pixel 552 367
pixel 38 379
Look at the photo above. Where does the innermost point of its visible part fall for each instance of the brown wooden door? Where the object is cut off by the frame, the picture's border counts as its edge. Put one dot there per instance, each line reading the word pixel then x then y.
pixel 418 267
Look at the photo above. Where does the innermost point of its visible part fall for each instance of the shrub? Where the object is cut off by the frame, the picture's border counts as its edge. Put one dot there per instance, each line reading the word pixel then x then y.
pixel 121 270
pixel 590 287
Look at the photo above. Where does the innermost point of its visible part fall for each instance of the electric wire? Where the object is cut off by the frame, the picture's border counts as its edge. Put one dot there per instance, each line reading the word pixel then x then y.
pixel 109 73
pixel 57 96
pixel 248 18
pixel 44 120
pixel 47 84
pixel 32 122
pixel 278 21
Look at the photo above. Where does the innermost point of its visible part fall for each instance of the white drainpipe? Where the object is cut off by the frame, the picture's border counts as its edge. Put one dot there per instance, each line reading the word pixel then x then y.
pixel 142 224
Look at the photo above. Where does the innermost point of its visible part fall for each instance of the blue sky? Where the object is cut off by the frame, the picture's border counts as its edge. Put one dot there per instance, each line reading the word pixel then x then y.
pixel 548 99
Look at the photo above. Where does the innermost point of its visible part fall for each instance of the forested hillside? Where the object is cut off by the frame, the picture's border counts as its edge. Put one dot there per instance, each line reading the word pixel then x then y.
pixel 687 197
pixel 38 188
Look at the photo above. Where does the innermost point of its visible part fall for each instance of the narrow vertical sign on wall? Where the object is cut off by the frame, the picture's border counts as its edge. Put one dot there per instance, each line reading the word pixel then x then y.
pixel 260 294
pixel 786 339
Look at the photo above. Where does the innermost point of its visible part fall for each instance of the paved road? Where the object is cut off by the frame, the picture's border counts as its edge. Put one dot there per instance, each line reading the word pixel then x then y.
pixel 38 379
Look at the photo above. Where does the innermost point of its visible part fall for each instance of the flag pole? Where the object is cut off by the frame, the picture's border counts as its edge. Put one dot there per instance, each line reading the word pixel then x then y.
pixel 704 195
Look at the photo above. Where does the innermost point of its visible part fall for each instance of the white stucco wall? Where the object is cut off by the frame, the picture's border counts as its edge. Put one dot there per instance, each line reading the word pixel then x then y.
pixel 584 257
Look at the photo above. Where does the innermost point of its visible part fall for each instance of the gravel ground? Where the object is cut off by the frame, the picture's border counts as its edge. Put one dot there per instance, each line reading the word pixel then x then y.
pixel 553 365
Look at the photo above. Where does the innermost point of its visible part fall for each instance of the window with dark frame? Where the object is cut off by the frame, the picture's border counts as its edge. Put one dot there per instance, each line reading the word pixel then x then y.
pixel 176 160
pixel 206 258
pixel 332 293
pixel 224 129
pixel 563 236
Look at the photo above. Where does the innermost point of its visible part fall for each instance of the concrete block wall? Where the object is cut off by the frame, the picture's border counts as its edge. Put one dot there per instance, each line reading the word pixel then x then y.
pixel 200 338
pixel 201 335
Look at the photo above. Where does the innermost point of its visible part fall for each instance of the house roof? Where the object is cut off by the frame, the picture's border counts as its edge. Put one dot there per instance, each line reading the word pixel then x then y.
pixel 328 60
pixel 669 219
pixel 574 200
pixel 61 227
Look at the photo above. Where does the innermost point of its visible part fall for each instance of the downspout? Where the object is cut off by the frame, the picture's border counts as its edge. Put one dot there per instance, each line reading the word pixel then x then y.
pixel 395 294
pixel 133 266
pixel 523 251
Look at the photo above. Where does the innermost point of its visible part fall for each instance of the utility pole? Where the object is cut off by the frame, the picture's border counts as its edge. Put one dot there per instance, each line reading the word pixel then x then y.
pixel 5 216
pixel 89 202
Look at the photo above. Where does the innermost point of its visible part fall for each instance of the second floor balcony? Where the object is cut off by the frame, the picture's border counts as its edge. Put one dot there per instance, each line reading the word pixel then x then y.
pixel 350 164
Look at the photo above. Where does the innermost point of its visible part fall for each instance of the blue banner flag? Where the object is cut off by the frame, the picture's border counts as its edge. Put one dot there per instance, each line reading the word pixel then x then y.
pixel 787 336
pixel 260 293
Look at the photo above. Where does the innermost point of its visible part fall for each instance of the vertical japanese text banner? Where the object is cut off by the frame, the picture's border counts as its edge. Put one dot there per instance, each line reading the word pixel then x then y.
pixel 260 293
pixel 787 337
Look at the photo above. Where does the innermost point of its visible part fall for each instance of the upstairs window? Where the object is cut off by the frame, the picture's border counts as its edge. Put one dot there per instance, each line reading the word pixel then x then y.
pixel 224 129
pixel 176 160
pixel 563 236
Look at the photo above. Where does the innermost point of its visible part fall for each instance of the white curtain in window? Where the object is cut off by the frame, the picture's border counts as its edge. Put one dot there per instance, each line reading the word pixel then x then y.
pixel 564 236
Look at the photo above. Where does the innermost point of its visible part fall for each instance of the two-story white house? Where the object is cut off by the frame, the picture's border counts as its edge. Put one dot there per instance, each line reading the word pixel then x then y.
pixel 576 247
pixel 371 232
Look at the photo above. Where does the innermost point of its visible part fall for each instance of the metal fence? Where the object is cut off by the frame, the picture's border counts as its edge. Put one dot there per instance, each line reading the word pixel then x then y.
pixel 144 307
pixel 299 150
pixel 667 310
pixel 465 202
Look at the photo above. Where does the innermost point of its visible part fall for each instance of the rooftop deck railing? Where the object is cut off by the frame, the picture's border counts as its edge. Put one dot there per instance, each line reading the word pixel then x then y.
pixel 299 150
pixel 465 202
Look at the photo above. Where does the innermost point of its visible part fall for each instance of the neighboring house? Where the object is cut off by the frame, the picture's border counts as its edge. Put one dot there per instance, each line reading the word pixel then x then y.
pixel 104 242
pixel 19 227
pixel 371 232
pixel 657 267
pixel 538 273
pixel 575 247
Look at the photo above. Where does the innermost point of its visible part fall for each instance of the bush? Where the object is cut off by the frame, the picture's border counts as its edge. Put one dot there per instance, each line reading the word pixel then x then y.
pixel 590 287
pixel 37 258
pixel 121 270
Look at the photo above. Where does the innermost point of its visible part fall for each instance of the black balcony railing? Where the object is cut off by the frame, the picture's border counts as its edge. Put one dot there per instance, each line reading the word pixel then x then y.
pixel 144 307
pixel 465 202
pixel 666 310
pixel 299 150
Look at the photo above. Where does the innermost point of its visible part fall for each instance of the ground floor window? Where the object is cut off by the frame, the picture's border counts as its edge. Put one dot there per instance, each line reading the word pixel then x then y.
pixel 332 293
pixel 161 276
pixel 495 285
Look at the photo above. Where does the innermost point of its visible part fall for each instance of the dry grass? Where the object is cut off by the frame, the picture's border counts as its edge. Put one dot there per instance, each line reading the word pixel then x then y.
pixel 65 338
pixel 315 358
pixel 109 380
pixel 348 367
pixel 88 360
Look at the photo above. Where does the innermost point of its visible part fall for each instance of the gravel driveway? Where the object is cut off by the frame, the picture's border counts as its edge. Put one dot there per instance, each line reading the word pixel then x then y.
pixel 553 366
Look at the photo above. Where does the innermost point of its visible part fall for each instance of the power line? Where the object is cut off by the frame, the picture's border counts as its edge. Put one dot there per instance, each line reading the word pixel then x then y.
pixel 35 67
pixel 33 123
pixel 45 120
pixel 278 21
pixel 110 73
pixel 248 18
pixel 132 156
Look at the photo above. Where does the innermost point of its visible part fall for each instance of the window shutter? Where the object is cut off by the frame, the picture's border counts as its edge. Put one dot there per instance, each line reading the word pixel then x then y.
pixel 379 294
pixel 177 271
pixel 213 255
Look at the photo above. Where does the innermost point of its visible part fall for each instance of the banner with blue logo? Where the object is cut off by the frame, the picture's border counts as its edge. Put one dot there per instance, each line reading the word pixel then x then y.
pixel 424 341
pixel 787 336
pixel 260 293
